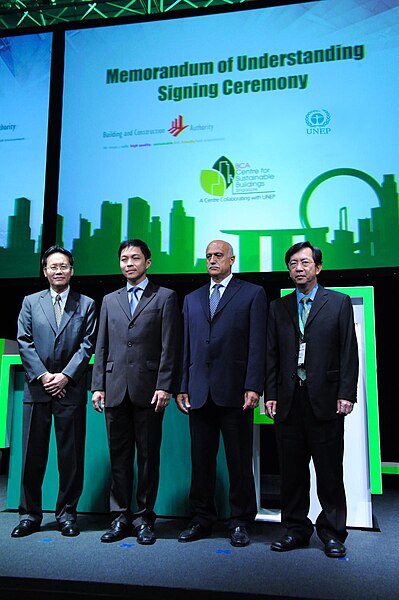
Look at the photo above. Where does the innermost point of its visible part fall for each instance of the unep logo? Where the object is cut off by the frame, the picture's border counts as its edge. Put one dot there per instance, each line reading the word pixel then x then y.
pixel 317 120
pixel 215 181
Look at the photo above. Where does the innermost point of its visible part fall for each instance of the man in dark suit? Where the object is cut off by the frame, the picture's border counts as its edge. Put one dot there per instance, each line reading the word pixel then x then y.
pixel 135 371
pixel 223 377
pixel 311 385
pixel 56 334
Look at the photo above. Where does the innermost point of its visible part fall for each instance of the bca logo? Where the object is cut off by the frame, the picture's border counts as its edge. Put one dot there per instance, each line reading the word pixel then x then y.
pixel 215 181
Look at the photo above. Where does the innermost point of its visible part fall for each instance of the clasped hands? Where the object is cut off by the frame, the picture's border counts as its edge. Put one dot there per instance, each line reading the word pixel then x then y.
pixel 54 383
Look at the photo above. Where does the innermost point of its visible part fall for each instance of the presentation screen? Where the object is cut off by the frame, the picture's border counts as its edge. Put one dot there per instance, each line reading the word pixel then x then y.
pixel 24 103
pixel 262 127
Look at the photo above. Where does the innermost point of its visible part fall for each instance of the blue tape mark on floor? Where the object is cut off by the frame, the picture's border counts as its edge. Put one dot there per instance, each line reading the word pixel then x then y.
pixel 126 545
pixel 47 541
pixel 223 551
pixel 343 558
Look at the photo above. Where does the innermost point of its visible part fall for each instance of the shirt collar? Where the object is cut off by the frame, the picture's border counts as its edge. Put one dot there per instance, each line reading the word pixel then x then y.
pixel 300 295
pixel 223 283
pixel 141 285
pixel 63 294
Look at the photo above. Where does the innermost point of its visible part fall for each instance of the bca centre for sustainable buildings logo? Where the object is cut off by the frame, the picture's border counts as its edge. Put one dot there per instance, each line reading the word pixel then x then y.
pixel 217 180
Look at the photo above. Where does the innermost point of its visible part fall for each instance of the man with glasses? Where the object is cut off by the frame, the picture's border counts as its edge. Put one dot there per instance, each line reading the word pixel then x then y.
pixel 56 334
pixel 311 385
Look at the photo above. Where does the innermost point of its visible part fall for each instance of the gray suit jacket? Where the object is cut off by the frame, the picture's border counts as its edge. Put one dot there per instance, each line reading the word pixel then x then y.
pixel 66 350
pixel 138 354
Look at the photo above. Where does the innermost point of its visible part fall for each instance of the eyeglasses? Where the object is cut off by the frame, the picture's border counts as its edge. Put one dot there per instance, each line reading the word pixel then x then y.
pixel 305 263
pixel 54 268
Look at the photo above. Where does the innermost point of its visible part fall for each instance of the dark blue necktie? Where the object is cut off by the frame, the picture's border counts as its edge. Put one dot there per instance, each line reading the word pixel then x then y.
pixel 214 299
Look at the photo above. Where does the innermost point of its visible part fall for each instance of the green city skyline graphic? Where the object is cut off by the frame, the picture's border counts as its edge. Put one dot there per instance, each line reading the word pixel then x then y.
pixel 95 252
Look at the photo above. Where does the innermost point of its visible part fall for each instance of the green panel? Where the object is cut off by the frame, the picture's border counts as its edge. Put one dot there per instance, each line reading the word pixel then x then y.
pixel 6 395
pixel 367 293
pixel 3 401
pixel 390 469
pixel 175 473
pixel 261 419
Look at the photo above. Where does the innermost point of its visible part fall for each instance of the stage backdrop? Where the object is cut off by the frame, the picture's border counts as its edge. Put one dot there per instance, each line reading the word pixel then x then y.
pixel 262 126
pixel 24 104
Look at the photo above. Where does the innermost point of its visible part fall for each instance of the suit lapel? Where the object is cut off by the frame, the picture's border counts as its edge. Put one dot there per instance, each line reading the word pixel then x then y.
pixel 319 300
pixel 123 300
pixel 291 306
pixel 204 299
pixel 48 309
pixel 146 297
pixel 230 291
pixel 70 307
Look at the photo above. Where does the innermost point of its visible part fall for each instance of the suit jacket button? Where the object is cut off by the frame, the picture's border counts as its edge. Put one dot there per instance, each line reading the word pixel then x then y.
pixel 130 344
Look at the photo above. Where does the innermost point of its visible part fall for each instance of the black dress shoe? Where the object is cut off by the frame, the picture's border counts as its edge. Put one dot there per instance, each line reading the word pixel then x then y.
pixel 118 531
pixel 193 533
pixel 287 542
pixel 69 528
pixel 239 536
pixel 145 534
pixel 25 527
pixel 334 549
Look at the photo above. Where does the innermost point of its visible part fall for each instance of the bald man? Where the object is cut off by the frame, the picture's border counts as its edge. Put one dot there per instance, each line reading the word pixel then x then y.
pixel 222 380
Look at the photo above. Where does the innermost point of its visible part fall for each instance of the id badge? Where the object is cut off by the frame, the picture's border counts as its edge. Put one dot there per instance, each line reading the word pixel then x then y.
pixel 301 354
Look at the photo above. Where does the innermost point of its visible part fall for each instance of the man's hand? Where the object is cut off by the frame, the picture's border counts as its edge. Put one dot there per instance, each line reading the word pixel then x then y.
pixel 251 400
pixel 344 407
pixel 98 400
pixel 54 384
pixel 271 408
pixel 160 399
pixel 183 403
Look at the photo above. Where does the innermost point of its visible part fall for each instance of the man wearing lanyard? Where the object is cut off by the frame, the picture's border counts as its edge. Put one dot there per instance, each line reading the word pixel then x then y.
pixel 311 385
pixel 135 371
pixel 223 377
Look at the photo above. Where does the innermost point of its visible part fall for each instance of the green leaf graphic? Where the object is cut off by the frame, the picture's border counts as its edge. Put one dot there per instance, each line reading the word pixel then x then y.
pixel 212 182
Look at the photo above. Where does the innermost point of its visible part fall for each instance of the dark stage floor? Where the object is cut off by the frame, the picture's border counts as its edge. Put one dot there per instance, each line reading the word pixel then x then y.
pixel 46 565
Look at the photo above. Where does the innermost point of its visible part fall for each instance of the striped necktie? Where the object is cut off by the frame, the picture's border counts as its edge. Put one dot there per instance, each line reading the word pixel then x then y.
pixel 306 302
pixel 306 309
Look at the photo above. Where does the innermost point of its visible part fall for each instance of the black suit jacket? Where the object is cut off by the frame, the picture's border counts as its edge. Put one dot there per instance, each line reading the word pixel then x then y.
pixel 331 360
